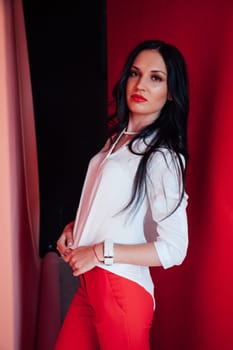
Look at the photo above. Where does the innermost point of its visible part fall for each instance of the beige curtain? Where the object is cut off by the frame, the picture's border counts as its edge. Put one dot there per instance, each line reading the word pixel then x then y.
pixel 19 192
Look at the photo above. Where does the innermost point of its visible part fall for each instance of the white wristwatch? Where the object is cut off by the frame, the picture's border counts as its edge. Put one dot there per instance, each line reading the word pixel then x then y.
pixel 108 252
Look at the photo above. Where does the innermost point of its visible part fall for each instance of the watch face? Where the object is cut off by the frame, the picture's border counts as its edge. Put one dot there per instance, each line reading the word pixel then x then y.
pixel 108 260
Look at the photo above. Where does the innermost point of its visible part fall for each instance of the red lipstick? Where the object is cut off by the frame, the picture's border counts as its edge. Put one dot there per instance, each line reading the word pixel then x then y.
pixel 138 98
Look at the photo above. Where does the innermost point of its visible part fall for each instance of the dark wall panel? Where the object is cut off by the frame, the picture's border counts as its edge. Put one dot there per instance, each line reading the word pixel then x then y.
pixel 67 54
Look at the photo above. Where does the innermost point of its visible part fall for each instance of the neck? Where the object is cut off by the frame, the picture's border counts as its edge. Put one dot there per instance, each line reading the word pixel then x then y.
pixel 135 125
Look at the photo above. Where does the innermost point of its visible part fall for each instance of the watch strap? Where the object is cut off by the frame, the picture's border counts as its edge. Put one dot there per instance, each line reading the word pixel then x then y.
pixel 108 252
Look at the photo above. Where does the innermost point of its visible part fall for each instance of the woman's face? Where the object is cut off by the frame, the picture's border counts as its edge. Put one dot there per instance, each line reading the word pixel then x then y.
pixel 146 89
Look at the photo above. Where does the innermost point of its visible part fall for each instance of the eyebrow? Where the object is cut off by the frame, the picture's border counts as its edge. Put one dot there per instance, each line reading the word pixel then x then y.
pixel 153 71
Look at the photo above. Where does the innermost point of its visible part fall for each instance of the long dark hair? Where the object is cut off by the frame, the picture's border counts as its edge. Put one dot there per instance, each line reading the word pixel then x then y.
pixel 170 126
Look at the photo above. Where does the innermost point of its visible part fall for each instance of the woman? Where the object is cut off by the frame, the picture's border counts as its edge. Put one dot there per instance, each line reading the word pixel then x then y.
pixel 132 212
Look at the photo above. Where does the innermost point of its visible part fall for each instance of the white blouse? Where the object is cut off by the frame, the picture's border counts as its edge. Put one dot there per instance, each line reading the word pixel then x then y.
pixel 107 190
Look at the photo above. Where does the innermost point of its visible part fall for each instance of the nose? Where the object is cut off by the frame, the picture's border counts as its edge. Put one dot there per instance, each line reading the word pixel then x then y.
pixel 141 83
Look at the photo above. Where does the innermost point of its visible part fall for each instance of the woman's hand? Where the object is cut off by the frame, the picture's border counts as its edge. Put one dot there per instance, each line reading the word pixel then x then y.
pixel 82 259
pixel 65 241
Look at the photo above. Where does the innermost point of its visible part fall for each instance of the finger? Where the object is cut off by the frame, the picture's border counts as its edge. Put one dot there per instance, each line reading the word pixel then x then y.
pixel 76 272
pixel 69 238
pixel 66 255
pixel 72 262
pixel 63 257
pixel 67 252
pixel 61 243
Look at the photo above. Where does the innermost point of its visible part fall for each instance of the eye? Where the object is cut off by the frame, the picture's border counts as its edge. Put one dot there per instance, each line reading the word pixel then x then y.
pixel 133 73
pixel 156 78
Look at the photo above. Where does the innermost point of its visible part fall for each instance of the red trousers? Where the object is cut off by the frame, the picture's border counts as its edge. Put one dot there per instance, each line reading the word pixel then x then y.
pixel 108 312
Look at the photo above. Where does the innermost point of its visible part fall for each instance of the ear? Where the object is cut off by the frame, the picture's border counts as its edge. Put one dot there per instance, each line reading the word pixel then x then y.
pixel 169 97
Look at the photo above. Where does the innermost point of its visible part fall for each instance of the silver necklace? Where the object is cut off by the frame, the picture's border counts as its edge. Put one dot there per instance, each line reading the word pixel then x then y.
pixel 129 132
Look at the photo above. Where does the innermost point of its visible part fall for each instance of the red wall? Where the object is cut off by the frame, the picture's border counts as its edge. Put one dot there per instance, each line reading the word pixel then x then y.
pixel 195 300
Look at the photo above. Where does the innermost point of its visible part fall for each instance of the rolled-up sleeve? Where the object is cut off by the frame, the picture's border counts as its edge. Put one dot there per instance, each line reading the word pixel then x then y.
pixel 164 188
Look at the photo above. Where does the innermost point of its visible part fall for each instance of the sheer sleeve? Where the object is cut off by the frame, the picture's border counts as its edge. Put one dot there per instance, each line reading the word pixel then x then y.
pixel 164 187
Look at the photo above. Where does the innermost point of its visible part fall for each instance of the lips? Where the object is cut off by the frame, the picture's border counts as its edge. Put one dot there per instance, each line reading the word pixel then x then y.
pixel 138 98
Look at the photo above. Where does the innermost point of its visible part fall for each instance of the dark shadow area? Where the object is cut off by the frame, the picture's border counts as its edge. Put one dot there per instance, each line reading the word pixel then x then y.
pixel 67 56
